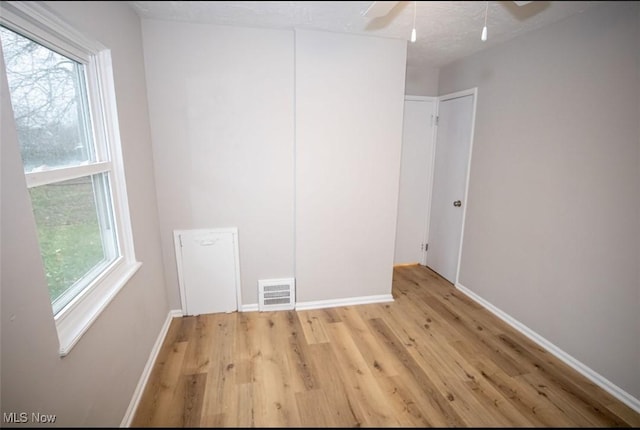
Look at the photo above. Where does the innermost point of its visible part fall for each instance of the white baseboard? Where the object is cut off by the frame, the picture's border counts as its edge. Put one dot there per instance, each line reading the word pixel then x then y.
pixel 146 372
pixel 583 369
pixel 363 300
pixel 249 308
pixel 301 306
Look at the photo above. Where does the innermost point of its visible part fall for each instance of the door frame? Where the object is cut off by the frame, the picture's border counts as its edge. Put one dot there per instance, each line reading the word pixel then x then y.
pixel 463 93
pixel 425 228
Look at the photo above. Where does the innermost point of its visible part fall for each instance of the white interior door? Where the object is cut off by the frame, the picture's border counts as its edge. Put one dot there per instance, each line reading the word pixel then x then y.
pixel 453 150
pixel 208 270
pixel 416 171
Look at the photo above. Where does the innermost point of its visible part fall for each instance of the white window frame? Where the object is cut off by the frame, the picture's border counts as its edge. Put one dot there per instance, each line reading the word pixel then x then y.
pixel 35 21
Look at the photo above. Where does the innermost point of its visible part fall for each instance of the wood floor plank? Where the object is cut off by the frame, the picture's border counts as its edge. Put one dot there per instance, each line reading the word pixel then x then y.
pixel 408 408
pixel 333 385
pixel 625 413
pixel 431 358
pixel 303 373
pixel 363 392
pixel 541 361
pixel 327 315
pixel 199 349
pixel 275 400
pixel 313 327
pixel 185 330
pixel 453 376
pixel 524 399
pixel 439 403
pixel 220 398
pixel 468 330
pixel 578 408
pixel 379 361
pixel 245 416
pixel 313 407
pixel 194 387
pixel 169 406
pixel 243 351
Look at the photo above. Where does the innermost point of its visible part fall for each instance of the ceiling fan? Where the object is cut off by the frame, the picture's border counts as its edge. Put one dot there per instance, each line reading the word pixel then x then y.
pixel 378 9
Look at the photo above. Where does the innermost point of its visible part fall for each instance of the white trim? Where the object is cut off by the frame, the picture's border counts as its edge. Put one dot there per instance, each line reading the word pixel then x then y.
pixel 148 367
pixel 76 318
pixel 294 160
pixel 253 307
pixel 178 252
pixel 45 177
pixel 46 28
pixel 468 92
pixel 350 301
pixel 583 369
pixel 474 92
pixel 420 98
pixel 117 181
pixel 236 250
pixel 432 168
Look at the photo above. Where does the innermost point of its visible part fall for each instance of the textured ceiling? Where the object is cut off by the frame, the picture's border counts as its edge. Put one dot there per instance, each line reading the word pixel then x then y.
pixel 446 30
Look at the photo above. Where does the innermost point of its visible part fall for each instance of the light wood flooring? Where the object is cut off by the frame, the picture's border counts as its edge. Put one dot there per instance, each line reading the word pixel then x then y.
pixel 433 357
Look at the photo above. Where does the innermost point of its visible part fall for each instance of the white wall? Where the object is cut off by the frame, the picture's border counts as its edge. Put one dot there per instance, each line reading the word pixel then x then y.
pixel 221 108
pixel 92 386
pixel 349 101
pixel 552 230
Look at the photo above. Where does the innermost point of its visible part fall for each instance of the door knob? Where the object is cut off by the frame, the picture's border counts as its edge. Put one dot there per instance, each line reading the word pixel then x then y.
pixel 457 203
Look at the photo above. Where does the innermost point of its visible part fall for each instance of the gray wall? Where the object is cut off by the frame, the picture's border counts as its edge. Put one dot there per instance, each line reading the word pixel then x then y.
pixel 349 108
pixel 552 233
pixel 223 117
pixel 221 107
pixel 421 80
pixel 93 385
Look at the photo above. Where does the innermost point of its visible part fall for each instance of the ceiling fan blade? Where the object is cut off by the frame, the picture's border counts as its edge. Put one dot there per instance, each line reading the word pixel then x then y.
pixel 378 9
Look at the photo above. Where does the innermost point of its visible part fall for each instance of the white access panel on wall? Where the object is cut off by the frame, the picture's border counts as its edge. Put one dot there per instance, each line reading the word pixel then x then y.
pixel 208 270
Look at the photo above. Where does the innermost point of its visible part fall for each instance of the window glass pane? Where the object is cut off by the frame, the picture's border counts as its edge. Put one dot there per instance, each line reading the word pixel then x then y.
pixel 77 238
pixel 49 104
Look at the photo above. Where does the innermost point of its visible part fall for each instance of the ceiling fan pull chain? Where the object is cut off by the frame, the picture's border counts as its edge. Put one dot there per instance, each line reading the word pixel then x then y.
pixel 484 29
pixel 413 31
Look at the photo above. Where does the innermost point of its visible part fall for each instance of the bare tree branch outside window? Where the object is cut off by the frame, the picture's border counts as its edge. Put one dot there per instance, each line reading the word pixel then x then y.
pixel 45 89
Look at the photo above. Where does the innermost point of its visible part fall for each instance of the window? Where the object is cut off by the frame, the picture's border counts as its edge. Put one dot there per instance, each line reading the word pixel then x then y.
pixel 64 111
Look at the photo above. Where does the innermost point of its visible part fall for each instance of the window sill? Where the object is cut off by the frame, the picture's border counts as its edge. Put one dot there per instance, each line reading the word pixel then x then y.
pixel 73 321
